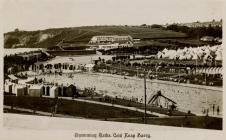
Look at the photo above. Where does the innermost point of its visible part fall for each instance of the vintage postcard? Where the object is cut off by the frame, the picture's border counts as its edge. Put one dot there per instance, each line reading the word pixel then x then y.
pixel 112 69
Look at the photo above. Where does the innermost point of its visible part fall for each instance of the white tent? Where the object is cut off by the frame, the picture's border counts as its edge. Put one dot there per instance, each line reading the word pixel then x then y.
pixel 221 70
pixel 212 70
pixel 219 55
pixel 89 67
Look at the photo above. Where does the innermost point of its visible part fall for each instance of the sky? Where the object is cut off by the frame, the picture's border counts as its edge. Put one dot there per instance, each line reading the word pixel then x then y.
pixel 43 14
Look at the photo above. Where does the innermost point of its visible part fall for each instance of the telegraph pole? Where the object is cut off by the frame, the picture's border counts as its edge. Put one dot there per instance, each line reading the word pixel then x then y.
pixel 145 97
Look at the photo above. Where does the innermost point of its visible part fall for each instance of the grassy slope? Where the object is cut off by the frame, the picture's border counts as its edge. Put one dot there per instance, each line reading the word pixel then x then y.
pixel 81 35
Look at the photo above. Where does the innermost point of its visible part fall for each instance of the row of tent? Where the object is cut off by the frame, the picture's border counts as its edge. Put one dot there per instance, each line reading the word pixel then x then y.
pixel 202 53
pixel 211 70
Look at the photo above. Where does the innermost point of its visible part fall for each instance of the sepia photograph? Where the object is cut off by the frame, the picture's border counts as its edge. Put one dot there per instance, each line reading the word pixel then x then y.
pixel 99 64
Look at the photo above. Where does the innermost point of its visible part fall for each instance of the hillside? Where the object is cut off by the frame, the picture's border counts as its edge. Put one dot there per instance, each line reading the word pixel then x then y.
pixel 79 36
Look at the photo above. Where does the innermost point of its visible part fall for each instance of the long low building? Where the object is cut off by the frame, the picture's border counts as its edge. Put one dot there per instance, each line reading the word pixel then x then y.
pixel 110 42
pixel 110 38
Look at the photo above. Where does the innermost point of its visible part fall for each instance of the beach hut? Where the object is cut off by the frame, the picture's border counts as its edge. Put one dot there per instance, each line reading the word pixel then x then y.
pixel 46 90
pixel 20 90
pixel 35 91
pixel 54 90
pixel 13 88
pixel 62 90
pixel 70 91
pixel 8 87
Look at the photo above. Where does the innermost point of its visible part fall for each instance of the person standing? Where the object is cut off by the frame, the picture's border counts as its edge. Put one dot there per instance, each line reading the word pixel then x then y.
pixel 213 108
pixel 218 110
pixel 207 112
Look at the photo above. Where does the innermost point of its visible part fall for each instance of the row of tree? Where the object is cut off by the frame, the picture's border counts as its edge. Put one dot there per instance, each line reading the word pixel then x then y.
pixel 194 32
pixel 197 32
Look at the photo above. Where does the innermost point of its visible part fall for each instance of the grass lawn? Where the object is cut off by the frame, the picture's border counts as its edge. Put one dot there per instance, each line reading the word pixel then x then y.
pixel 71 107
pixel 108 113
pixel 78 35
pixel 191 122
pixel 151 108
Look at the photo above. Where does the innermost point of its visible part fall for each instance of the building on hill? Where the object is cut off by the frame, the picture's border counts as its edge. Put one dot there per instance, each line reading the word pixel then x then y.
pixel 110 39
pixel 110 42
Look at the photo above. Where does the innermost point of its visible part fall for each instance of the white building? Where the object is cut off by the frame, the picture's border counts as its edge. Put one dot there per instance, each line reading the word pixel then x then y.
pixel 108 46
pixel 110 38
pixel 110 42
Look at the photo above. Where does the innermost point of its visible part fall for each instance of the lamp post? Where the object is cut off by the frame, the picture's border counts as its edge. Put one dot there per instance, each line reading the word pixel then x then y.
pixel 145 98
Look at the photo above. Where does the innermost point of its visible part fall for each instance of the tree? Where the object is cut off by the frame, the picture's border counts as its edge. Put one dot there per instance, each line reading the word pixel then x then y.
pixel 144 25
pixel 156 26
pixel 16 30
pixel 11 40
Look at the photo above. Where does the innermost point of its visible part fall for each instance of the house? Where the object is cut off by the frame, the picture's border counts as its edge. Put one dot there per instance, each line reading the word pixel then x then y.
pixel 35 91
